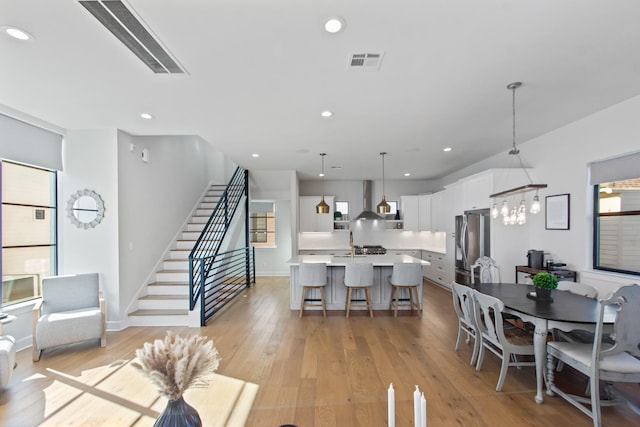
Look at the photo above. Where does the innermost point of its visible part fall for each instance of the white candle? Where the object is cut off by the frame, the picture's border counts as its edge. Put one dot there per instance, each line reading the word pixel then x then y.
pixel 423 410
pixel 416 407
pixel 391 404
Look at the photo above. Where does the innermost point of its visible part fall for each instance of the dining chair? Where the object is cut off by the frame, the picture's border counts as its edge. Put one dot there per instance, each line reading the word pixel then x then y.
pixel 576 335
pixel 463 306
pixel 312 276
pixel 405 275
pixel 358 276
pixel 617 362
pixel 489 271
pixel 502 342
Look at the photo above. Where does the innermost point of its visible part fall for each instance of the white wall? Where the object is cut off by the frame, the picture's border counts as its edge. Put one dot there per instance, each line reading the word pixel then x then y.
pixel 560 159
pixel 273 261
pixel 351 191
pixel 155 200
pixel 274 186
pixel 90 160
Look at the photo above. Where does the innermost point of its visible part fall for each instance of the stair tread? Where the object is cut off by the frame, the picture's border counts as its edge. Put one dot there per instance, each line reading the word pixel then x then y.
pixel 169 284
pixel 158 312
pixel 165 297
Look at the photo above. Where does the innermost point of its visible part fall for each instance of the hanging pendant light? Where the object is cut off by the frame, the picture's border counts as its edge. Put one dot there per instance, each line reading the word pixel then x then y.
pixel 383 207
pixel 518 214
pixel 322 207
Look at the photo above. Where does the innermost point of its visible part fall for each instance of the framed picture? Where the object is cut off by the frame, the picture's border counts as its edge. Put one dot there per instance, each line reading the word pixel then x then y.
pixel 557 211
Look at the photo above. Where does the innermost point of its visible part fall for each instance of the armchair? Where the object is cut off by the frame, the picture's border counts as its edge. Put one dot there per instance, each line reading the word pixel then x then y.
pixel 72 310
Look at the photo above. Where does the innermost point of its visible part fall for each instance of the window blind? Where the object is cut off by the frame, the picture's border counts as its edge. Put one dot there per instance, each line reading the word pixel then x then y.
pixel 25 143
pixel 618 168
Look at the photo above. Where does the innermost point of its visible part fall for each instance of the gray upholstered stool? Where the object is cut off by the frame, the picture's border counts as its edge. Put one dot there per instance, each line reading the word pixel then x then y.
pixel 312 276
pixel 358 276
pixel 405 276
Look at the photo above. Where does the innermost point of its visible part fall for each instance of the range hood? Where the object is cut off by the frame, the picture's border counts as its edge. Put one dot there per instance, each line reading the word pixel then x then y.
pixel 368 212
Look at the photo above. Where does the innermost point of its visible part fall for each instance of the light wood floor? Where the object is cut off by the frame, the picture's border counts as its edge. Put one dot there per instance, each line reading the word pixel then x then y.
pixel 312 371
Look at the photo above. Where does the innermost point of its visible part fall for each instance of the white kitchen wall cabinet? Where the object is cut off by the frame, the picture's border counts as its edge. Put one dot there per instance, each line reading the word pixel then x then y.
pixel 310 221
pixel 438 218
pixel 416 212
pixel 410 213
pixel 424 213
pixel 476 190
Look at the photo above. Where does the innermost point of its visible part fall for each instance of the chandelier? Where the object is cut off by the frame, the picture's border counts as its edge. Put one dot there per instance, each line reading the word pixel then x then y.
pixel 516 213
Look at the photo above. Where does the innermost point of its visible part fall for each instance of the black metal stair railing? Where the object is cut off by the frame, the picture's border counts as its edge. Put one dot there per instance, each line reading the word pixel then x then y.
pixel 214 277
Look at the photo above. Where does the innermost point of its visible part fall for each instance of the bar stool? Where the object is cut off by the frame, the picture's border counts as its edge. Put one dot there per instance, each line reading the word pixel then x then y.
pixel 312 276
pixel 405 276
pixel 359 276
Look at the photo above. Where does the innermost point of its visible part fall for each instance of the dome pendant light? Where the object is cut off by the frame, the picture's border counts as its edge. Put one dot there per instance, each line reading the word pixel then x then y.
pixel 322 207
pixel 383 207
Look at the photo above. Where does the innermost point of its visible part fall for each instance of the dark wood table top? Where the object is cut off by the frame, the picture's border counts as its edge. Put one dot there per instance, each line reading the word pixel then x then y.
pixel 565 307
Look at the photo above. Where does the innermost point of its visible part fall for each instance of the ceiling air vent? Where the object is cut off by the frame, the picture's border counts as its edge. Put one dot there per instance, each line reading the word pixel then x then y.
pixel 118 19
pixel 365 61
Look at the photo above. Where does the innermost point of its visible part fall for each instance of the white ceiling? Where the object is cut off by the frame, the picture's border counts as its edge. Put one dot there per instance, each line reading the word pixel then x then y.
pixel 260 72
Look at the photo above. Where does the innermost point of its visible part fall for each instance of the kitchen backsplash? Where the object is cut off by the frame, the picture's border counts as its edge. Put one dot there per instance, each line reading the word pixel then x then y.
pixel 373 233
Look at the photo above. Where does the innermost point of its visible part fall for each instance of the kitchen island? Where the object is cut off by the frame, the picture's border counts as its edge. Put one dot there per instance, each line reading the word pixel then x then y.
pixel 335 293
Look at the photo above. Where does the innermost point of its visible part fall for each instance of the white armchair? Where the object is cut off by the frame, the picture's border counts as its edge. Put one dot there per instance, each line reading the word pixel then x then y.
pixel 71 310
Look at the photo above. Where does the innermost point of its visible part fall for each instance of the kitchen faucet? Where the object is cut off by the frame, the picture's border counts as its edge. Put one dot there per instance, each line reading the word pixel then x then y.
pixel 352 252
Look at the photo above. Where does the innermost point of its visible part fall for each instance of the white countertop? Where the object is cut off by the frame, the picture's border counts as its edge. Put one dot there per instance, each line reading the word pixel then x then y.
pixel 340 261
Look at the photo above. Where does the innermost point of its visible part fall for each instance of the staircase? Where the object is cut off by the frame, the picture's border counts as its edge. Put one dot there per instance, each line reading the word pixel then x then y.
pixel 167 299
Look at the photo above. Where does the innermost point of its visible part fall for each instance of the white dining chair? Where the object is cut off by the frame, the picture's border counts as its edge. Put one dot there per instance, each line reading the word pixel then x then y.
pixel 358 276
pixel 489 271
pixel 502 342
pixel 463 306
pixel 312 276
pixel 405 276
pixel 617 362
pixel 578 288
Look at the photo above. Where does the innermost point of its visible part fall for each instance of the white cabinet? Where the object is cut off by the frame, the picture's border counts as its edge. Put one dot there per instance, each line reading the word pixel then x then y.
pixel 312 221
pixel 424 213
pixel 476 191
pixel 410 213
pixel 438 219
pixel 416 212
pixel 436 271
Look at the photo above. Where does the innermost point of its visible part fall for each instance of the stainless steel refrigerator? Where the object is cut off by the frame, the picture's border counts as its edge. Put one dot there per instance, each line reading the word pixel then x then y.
pixel 472 242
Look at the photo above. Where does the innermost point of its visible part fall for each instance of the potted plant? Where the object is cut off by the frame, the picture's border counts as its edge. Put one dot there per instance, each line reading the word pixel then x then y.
pixel 544 283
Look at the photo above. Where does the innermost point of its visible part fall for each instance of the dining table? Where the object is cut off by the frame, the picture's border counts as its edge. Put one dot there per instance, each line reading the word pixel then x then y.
pixel 565 311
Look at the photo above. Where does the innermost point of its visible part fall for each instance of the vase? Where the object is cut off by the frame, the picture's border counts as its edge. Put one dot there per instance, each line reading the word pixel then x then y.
pixel 178 413
pixel 540 295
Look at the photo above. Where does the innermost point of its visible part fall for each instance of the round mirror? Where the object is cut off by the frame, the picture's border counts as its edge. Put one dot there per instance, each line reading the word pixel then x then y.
pixel 85 209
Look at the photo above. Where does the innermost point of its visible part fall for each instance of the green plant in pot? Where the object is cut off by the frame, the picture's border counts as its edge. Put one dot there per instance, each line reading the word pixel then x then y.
pixel 545 283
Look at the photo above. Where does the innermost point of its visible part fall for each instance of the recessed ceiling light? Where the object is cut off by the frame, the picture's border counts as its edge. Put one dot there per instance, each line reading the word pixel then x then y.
pixel 256 155
pixel 334 25
pixel 407 174
pixel 447 149
pixel 326 113
pixel 17 33
pixel 146 116
pixel 320 174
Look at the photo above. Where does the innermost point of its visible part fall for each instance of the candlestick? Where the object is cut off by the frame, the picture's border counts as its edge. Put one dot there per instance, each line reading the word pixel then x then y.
pixel 391 404
pixel 416 407
pixel 423 410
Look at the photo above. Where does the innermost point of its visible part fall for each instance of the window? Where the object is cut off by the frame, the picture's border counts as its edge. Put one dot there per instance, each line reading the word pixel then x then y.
pixel 617 226
pixel 262 224
pixel 29 233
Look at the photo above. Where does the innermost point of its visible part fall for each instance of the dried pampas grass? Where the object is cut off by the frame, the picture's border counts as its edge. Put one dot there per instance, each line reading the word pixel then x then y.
pixel 177 363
